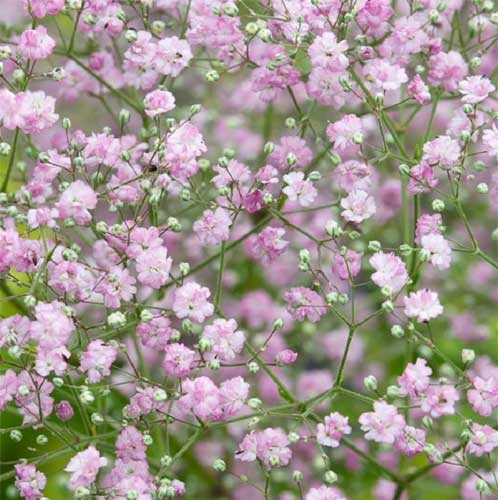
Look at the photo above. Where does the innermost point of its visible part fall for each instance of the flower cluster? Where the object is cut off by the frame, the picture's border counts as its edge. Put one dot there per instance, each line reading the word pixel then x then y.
pixel 247 249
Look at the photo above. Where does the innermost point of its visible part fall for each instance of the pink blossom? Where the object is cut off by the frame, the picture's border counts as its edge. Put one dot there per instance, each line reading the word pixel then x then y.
pixel 475 89
pixel 172 56
pixel 29 481
pixel 384 424
pixel 153 267
pixel 358 206
pixel 324 493
pixel 115 286
pixel 201 398
pixel 419 90
pixel 383 76
pixel 225 340
pixel 304 303
pixel 299 189
pixel 64 410
pixel 269 445
pixel 345 133
pixel 97 360
pixel 331 431
pixel 178 360
pixel 447 69
pixel 159 102
pixel 423 305
pixel 290 145
pixel 155 333
pixel 390 271
pixel 483 396
pixel 76 201
pixel 36 43
pixel 286 357
pixel 422 178
pixel 427 224
pixel 191 301
pixel 484 440
pixel 327 53
pixel 40 8
pixel 439 249
pixel 267 245
pixel 410 441
pixel 8 387
pixel 213 227
pixel 415 378
pixel 438 400
pixel 348 266
pixel 84 467
pixel 443 151
pixel 232 396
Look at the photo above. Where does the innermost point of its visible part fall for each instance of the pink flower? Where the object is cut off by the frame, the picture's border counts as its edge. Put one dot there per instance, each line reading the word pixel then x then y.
pixel 304 303
pixel 178 360
pixel 345 134
pixel 84 467
pixel 331 431
pixel 29 481
pixel 290 145
pixel 40 8
pixel 410 441
pixel 347 266
pixel 115 286
pixel 298 189
pixel 286 357
pixel 37 400
pixel 439 249
pixel 384 424
pixel 447 69
pixel 484 440
pixel 97 360
pixel 327 53
pixel 269 445
pixel 373 16
pixel 129 445
pixel 213 227
pixel 483 396
pixel 415 378
pixel 155 333
pixel 232 396
pixel 427 224
pixel 423 305
pixel 76 201
pixel 172 56
pixel 153 267
pixel 422 178
pixel 353 174
pixel 159 102
pixel 383 76
pixel 8 387
pixel 268 245
pixel 225 340
pixel 191 301
pixel 443 151
pixel 419 90
pixel 390 271
pixel 201 398
pixel 438 400
pixel 324 86
pixel 324 493
pixel 34 112
pixel 64 410
pixel 358 206
pixel 475 89
pixel 36 44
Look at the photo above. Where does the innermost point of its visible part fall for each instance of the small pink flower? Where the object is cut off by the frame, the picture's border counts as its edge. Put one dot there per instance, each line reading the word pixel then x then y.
pixel 358 206
pixel 410 441
pixel 213 227
pixel 443 151
pixel 345 134
pixel 269 445
pixel 268 245
pixel 159 102
pixel 390 271
pixel 438 400
pixel 191 301
pixel 287 145
pixel 286 357
pixel 97 360
pixel 475 89
pixel 384 424
pixel 155 333
pixel 439 249
pixel 447 69
pixel 383 76
pixel 225 340
pixel 115 286
pixel 423 305
pixel 36 44
pixel 483 396
pixel 427 224
pixel 304 303
pixel 324 493
pixel 330 432
pixel 76 201
pixel 64 410
pixel 347 266
pixel 299 189
pixel 178 360
pixel 484 440
pixel 415 378
pixel 327 53
pixel 419 90
pixel 29 481
pixel 153 267
pixel 84 467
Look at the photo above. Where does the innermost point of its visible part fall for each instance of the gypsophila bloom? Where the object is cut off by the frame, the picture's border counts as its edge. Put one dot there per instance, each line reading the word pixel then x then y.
pixel 213 227
pixel 97 360
pixel 475 89
pixel 390 271
pixel 324 493
pixel 410 441
pixel 484 439
pixel 415 378
pixel 29 481
pixel 225 340
pixel 159 102
pixel 269 445
pixel 423 305
pixel 191 301
pixel 304 303
pixel 439 400
pixel 358 206
pixel 299 189
pixel 330 432
pixel 84 467
pixel 384 424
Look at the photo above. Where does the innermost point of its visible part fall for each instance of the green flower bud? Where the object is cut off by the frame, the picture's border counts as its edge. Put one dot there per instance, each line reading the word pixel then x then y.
pixel 219 465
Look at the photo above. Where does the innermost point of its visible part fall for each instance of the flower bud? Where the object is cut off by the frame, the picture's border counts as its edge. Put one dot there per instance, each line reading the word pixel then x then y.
pixel 438 205
pixel 468 356
pixel 482 188
pixel 254 403
pixel 370 382
pixel 397 331
pixel 42 440
pixel 293 437
pixel 117 320
pixel 330 477
pixel 147 439
pixel 16 435
pixel 388 306
pixel 131 35
pixel 97 418
pixel 297 476
pixel 290 122
pixel 291 159
pixel 219 465
pixel 374 246
pixel 253 367
pixel 393 391
pixel 314 176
